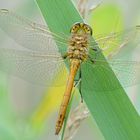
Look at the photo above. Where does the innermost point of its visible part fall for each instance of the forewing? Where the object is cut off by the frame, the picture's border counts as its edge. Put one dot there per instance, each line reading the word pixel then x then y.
pixel 28 34
pixel 127 72
pixel 112 43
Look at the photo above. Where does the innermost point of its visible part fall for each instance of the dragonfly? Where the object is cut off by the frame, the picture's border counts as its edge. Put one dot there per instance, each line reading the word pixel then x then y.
pixel 41 56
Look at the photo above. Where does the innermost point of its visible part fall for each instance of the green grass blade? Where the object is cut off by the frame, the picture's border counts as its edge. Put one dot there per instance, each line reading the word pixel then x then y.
pixel 114 113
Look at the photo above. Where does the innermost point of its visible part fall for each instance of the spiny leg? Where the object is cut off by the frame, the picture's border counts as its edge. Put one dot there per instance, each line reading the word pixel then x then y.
pixel 97 51
pixel 78 83
pixel 93 60
pixel 80 75
pixel 65 56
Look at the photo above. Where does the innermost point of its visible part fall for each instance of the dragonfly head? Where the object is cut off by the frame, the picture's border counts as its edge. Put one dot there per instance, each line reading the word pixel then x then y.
pixel 81 28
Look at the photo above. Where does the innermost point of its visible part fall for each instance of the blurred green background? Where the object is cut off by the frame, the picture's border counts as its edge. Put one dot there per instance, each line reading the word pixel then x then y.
pixel 26 111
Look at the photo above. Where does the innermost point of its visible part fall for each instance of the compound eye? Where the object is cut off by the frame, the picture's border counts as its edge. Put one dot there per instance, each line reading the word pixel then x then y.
pixel 88 29
pixel 75 28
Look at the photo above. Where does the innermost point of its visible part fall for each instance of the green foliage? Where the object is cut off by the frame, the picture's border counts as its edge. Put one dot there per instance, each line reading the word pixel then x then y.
pixel 106 19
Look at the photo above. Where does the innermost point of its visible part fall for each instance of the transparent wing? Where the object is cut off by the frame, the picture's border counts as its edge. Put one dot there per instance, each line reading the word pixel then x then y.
pixel 35 67
pixel 127 73
pixel 29 34
pixel 42 63
pixel 115 41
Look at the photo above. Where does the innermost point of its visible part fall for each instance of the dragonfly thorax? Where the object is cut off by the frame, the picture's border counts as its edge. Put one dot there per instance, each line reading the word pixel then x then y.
pixel 78 47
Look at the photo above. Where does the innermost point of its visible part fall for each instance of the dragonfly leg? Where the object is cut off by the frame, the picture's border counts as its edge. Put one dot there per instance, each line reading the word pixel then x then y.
pixel 80 75
pixel 78 83
pixel 92 60
pixel 65 56
pixel 97 51
pixel 94 49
